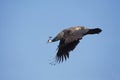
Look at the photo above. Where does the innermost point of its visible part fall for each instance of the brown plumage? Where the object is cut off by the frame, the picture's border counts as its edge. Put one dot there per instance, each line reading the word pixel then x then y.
pixel 69 38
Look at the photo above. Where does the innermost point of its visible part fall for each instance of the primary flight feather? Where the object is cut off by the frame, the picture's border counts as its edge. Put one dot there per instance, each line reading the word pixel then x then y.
pixel 69 38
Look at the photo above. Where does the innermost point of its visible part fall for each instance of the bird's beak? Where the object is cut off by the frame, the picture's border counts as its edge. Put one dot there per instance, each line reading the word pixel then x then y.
pixel 49 41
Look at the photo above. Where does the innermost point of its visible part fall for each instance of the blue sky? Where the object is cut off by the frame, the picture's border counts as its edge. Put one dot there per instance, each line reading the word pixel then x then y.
pixel 25 26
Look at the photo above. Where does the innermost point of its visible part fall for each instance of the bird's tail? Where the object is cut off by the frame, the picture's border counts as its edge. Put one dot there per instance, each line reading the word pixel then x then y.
pixel 94 31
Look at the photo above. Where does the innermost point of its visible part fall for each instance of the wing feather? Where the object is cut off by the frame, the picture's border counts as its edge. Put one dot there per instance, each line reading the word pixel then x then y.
pixel 64 49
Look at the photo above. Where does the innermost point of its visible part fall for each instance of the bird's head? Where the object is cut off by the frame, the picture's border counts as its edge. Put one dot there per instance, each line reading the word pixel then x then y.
pixel 49 40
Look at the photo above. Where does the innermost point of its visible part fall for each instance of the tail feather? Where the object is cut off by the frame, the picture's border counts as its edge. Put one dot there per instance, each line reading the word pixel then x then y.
pixel 94 31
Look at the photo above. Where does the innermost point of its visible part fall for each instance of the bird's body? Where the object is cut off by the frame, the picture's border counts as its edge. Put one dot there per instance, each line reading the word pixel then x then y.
pixel 69 38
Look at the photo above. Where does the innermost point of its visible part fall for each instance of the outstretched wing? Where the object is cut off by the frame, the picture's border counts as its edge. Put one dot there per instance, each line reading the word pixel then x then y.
pixel 69 42
pixel 64 49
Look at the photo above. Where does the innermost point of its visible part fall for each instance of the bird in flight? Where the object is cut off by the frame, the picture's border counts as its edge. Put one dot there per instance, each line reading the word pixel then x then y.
pixel 69 38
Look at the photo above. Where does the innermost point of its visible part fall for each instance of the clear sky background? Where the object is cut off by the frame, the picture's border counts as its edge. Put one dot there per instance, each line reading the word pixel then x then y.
pixel 25 26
